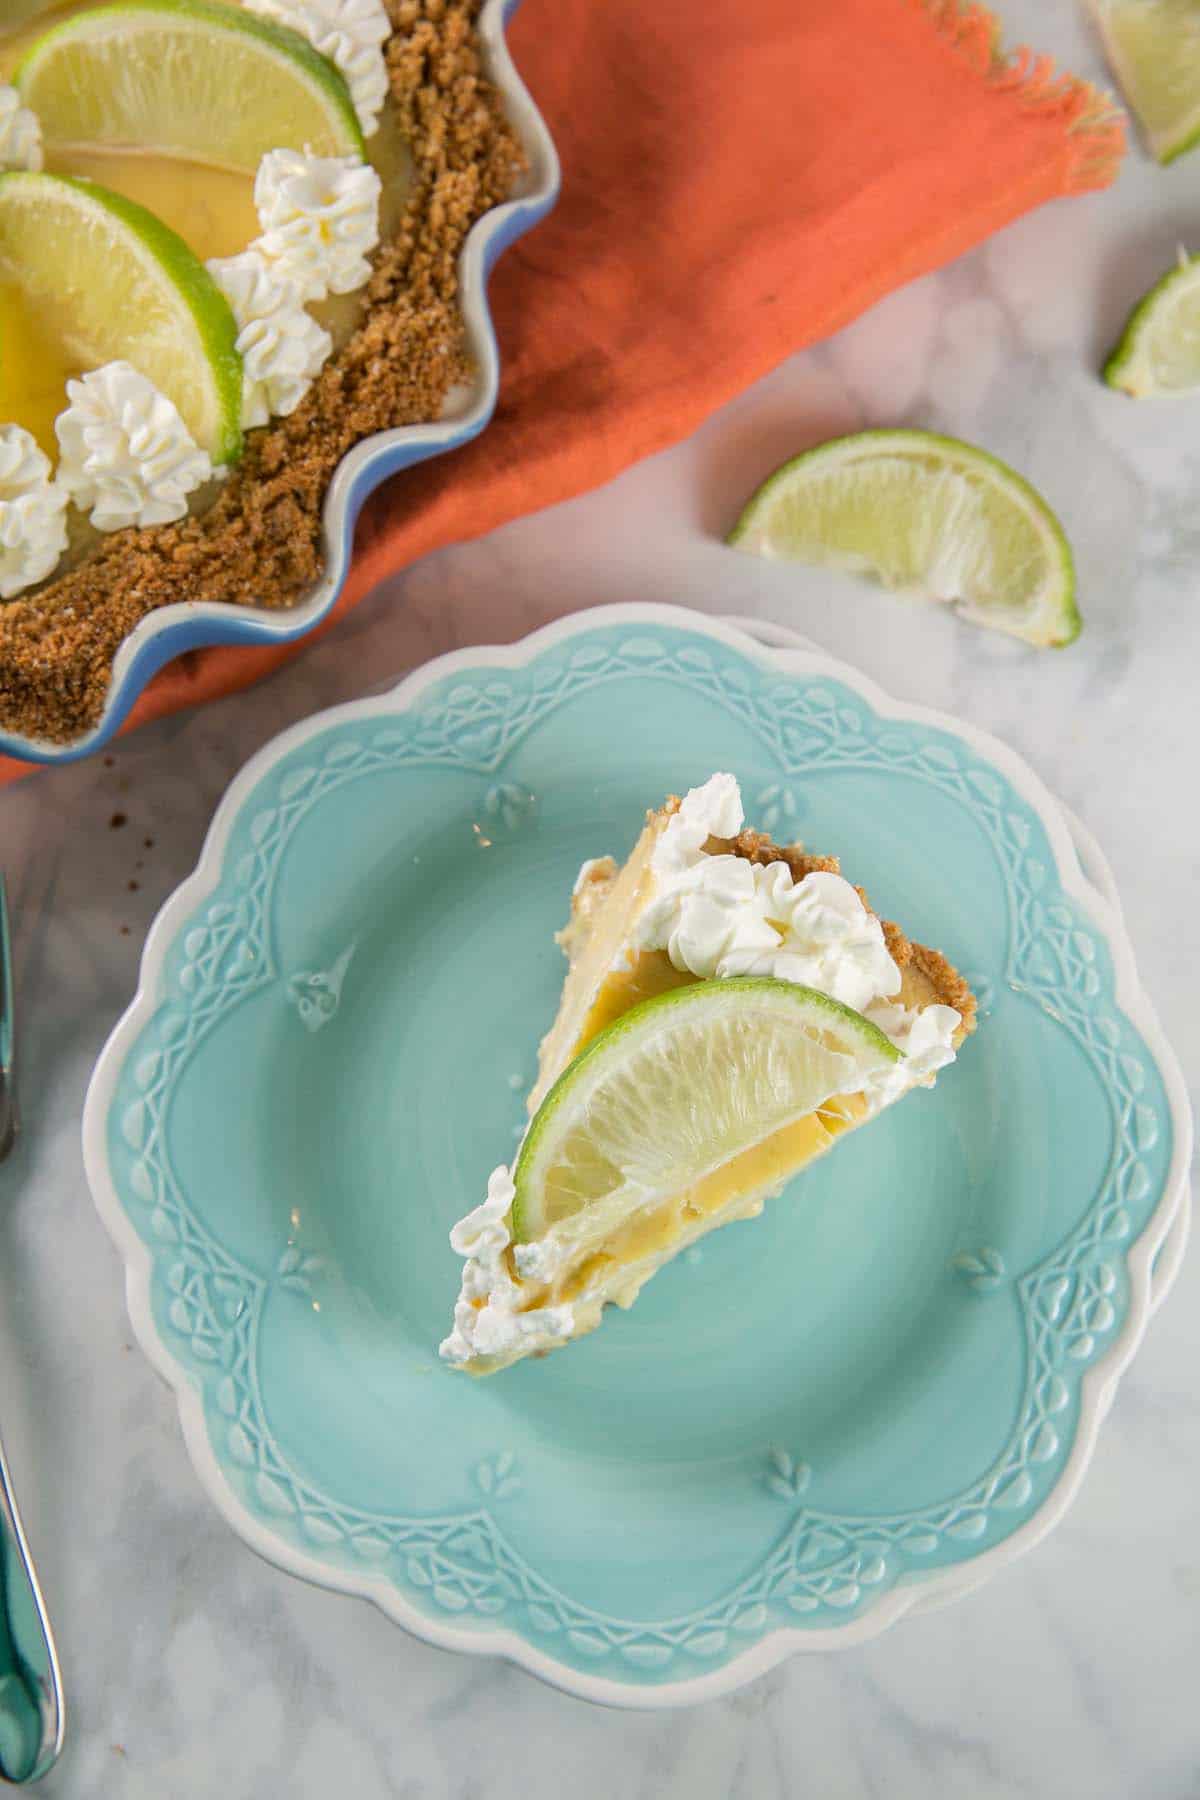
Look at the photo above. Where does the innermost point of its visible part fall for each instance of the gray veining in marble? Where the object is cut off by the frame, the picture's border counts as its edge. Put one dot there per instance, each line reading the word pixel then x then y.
pixel 196 1670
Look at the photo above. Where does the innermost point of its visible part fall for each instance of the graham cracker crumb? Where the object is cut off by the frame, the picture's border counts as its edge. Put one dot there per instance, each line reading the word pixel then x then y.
pixel 260 543
pixel 757 847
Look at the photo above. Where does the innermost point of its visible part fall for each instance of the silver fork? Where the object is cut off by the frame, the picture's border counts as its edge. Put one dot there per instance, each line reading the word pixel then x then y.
pixel 32 1715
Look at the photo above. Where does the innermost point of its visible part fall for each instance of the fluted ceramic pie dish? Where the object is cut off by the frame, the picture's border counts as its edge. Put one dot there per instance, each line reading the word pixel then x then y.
pixel 171 630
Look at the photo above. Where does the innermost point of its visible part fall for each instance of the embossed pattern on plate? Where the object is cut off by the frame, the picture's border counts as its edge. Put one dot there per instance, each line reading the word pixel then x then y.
pixel 929 1326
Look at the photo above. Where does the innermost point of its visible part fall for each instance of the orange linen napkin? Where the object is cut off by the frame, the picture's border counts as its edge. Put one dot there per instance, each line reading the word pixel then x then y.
pixel 740 178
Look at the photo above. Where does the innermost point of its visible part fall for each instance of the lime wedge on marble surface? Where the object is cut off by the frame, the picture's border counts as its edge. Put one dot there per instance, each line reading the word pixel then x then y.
pixel 679 1086
pixel 1154 48
pixel 111 281
pixel 929 516
pixel 187 78
pixel 1159 351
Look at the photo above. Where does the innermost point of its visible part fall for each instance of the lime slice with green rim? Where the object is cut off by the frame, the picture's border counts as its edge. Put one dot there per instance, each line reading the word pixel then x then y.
pixel 190 79
pixel 679 1086
pixel 1154 48
pixel 928 515
pixel 112 282
pixel 1159 351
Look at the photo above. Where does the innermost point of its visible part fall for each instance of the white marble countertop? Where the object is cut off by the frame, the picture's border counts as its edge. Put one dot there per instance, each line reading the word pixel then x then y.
pixel 193 1668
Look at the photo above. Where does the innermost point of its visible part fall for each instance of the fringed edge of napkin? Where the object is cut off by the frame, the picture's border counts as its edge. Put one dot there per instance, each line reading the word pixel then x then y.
pixel 1093 123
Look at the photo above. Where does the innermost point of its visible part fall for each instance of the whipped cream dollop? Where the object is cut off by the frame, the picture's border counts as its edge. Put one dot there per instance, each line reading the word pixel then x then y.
pixel 319 218
pixel 719 915
pixel 351 33
pixel 20 133
pixel 726 916
pixel 924 1036
pixel 486 1319
pixel 33 513
pixel 282 347
pixel 714 810
pixel 126 456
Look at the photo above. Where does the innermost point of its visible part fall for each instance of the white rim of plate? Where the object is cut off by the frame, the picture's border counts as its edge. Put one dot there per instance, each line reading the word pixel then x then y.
pixel 532 197
pixel 1099 1383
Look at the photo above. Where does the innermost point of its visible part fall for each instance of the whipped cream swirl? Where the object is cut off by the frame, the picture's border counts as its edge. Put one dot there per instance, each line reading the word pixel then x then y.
pixel 126 455
pixel 924 1036
pixel 721 915
pixel 282 347
pixel 486 1319
pixel 351 33
pixel 714 810
pixel 20 133
pixel 33 513
pixel 726 916
pixel 319 218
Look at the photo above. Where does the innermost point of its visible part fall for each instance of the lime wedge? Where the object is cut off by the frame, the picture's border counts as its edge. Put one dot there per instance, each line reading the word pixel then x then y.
pixel 1159 351
pixel 1154 48
pixel 109 281
pixel 678 1087
pixel 187 78
pixel 927 515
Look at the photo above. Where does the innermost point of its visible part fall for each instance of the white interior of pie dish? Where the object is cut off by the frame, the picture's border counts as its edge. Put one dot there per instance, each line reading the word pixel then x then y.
pixel 171 630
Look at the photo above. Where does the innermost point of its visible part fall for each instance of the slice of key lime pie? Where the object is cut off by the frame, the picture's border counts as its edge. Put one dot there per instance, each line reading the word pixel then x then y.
pixel 731 1008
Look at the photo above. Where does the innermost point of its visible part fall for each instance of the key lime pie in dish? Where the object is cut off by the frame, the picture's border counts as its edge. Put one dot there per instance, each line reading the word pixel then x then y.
pixel 731 1008
pixel 229 233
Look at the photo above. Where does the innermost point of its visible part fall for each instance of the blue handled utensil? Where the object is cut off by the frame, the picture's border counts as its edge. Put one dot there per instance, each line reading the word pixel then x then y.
pixel 32 1716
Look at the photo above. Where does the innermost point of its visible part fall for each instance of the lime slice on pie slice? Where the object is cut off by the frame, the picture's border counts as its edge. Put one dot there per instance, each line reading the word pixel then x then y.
pixel 189 79
pixel 1154 48
pixel 929 516
pixel 1159 351
pixel 674 1094
pixel 692 1104
pixel 110 282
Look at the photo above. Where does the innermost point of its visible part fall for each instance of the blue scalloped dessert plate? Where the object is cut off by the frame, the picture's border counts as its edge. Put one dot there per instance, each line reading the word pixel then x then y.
pixel 171 630
pixel 869 1399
